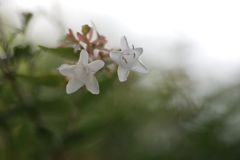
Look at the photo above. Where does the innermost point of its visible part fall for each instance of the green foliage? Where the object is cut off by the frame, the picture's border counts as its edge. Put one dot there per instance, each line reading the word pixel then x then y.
pixel 127 121
pixel 44 80
pixel 22 52
pixel 66 53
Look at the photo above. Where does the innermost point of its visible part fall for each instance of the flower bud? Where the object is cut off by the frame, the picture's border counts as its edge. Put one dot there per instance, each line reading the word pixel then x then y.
pixel 85 29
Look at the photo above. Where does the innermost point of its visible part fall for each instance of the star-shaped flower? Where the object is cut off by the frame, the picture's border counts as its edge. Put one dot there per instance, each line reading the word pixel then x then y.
pixel 82 74
pixel 127 59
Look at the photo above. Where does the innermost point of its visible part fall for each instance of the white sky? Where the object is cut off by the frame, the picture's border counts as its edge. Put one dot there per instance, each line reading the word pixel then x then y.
pixel 211 26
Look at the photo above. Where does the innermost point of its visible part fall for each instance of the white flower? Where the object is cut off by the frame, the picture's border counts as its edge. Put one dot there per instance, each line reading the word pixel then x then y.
pixel 127 60
pixel 82 74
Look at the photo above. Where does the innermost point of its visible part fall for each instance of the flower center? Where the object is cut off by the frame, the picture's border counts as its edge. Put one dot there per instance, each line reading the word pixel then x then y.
pixel 127 59
pixel 82 73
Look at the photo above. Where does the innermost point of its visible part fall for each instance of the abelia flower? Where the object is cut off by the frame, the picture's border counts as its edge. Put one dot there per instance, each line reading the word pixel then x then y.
pixel 127 59
pixel 82 74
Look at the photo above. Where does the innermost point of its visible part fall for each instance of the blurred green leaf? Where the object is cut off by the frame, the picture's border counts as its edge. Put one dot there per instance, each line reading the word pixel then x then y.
pixel 22 52
pixel 23 134
pixel 66 53
pixel 46 135
pixel 105 84
pixel 45 80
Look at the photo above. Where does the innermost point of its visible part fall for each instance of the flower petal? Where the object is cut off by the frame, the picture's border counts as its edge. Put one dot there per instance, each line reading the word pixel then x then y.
pixel 95 66
pixel 90 34
pixel 100 39
pixel 71 35
pixel 138 51
pixel 82 38
pixel 92 85
pixel 115 55
pixel 83 60
pixel 124 44
pixel 122 73
pixel 73 85
pixel 139 67
pixel 66 70
pixel 70 32
pixel 76 48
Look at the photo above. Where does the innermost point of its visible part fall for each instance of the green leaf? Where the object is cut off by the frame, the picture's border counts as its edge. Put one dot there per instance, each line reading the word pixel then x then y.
pixel 45 80
pixel 22 52
pixel 67 53
pixel 105 84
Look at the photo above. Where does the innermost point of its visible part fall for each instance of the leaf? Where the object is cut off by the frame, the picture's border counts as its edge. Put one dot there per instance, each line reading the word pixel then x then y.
pixel 105 84
pixel 22 52
pixel 46 80
pixel 23 135
pixel 67 53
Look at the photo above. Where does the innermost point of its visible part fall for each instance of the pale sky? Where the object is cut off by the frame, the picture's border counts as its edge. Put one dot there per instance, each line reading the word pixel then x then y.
pixel 211 26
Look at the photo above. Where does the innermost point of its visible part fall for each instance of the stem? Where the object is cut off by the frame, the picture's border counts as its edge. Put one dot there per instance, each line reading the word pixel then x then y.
pixel 17 92
pixel 3 41
pixel 1 67
pixel 8 73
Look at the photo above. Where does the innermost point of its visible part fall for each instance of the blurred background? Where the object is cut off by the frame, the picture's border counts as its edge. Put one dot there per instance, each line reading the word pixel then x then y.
pixel 186 107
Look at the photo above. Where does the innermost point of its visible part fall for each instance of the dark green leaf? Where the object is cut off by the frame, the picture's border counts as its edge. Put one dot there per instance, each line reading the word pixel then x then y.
pixel 46 80
pixel 66 53
pixel 105 84
pixel 22 52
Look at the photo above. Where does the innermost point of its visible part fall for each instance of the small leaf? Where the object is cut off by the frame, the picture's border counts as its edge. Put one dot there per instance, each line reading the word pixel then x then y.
pixel 67 53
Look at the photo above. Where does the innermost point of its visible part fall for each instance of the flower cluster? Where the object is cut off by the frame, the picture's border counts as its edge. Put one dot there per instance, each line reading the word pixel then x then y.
pixel 85 38
pixel 83 72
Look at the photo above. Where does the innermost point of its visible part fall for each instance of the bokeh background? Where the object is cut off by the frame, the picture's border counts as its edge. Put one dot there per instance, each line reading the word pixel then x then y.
pixel 186 107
